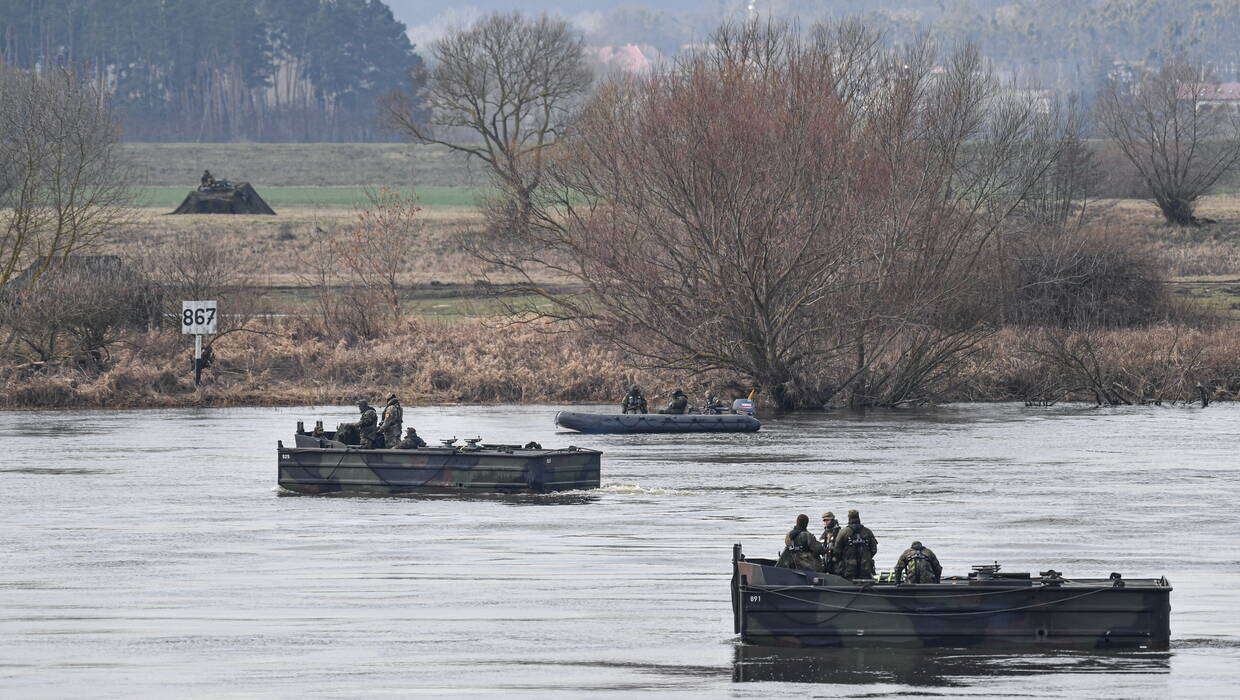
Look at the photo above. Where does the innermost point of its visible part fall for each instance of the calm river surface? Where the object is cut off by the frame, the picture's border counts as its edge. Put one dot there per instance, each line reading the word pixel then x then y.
pixel 148 553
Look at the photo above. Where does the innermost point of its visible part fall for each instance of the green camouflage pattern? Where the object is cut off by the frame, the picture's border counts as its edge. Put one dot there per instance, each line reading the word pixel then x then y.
pixel 784 607
pixel 317 466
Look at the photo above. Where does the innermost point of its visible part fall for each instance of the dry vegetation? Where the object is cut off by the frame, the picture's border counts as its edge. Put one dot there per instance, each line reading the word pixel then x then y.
pixel 277 249
pixel 474 360
pixel 425 361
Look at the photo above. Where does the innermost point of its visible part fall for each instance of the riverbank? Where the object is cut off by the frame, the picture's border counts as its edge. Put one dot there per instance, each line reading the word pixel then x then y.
pixel 476 361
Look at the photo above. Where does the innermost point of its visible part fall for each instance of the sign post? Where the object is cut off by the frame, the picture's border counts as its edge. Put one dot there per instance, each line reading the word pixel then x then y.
pixel 198 318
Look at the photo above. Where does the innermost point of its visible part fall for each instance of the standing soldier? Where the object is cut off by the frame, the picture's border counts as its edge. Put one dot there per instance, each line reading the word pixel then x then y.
pixel 918 565
pixel 633 401
pixel 393 416
pixel 367 425
pixel 801 549
pixel 830 529
pixel 854 549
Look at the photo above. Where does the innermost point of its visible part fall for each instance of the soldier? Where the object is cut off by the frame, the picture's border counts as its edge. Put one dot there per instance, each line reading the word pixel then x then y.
pixel 368 425
pixel 854 550
pixel 633 401
pixel 411 441
pixel 207 181
pixel 801 549
pixel 918 565
pixel 393 416
pixel 830 528
pixel 679 403
pixel 711 404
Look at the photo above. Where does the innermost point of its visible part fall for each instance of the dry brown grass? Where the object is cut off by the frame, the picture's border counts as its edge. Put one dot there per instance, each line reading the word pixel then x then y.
pixel 424 361
pixel 432 362
pixel 277 249
pixel 1161 363
pixel 1210 250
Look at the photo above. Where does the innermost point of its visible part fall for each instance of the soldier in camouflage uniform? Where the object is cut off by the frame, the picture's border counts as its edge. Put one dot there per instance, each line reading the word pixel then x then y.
pixel 368 424
pixel 801 549
pixel 393 416
pixel 918 565
pixel 854 549
pixel 678 405
pixel 411 441
pixel 633 401
pixel 830 529
pixel 711 404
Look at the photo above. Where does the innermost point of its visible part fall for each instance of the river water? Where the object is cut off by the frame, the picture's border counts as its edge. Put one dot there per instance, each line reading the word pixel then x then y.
pixel 148 553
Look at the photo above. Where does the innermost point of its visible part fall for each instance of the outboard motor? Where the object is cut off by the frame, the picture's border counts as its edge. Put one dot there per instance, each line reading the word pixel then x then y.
pixel 743 406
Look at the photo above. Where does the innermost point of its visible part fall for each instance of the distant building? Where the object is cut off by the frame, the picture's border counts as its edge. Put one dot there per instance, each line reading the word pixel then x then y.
pixel 1212 96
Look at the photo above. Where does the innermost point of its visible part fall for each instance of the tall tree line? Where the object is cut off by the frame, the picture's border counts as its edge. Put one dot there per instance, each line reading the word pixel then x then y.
pixel 221 70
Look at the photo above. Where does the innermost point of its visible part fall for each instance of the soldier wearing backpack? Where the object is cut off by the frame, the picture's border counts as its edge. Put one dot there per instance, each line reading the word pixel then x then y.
pixel 854 549
pixel 801 549
pixel 918 565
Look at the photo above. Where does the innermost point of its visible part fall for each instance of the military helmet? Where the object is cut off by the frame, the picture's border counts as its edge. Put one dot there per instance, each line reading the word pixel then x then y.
pixel 391 396
pixel 828 516
pixel 635 389
pixel 917 545
pixel 411 430
pixel 854 515
pixel 362 403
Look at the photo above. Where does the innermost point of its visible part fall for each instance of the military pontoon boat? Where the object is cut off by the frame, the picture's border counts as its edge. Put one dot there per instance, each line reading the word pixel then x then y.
pixel 321 464
pixel 988 608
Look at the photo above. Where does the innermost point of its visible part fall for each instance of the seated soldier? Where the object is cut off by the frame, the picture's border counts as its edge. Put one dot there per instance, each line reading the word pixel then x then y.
pixel 411 441
pixel 711 404
pixel 679 403
pixel 207 181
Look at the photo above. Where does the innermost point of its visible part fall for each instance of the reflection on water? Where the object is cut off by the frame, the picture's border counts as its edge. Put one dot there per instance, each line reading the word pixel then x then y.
pixel 927 667
pixel 148 553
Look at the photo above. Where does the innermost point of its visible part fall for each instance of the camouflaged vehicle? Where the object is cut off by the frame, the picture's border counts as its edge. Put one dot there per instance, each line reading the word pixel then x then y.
pixel 988 608
pixel 320 464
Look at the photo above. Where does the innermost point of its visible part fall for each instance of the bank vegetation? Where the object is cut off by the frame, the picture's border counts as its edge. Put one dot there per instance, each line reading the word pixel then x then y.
pixel 810 214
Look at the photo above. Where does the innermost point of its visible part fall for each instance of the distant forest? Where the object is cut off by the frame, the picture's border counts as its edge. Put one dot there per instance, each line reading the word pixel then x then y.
pixel 310 70
pixel 222 70
pixel 1069 45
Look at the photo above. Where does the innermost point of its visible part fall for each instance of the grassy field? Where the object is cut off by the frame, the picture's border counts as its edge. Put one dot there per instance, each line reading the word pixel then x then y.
pixel 315 189
pixel 283 197
pixel 302 165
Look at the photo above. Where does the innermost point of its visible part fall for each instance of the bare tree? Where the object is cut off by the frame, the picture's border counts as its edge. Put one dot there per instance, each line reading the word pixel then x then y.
pixel 78 309
pixel 356 278
pixel 806 212
pixel 1168 127
pixel 63 182
pixel 383 236
pixel 192 265
pixel 508 80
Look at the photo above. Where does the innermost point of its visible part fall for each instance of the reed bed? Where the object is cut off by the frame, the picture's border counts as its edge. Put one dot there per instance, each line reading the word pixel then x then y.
pixel 474 361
